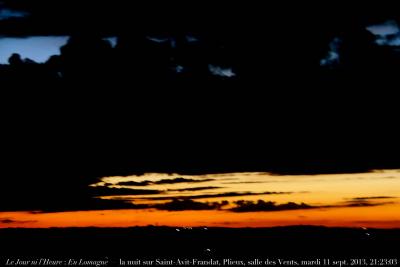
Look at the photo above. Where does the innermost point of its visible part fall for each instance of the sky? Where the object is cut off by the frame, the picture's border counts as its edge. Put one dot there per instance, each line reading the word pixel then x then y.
pixel 41 48
pixel 252 199
pixel 387 33
pixel 38 48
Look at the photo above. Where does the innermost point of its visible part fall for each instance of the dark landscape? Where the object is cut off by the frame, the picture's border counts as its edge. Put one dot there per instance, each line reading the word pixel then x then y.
pixel 202 242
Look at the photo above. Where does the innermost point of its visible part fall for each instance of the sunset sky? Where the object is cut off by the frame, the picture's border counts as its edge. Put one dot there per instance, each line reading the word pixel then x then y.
pixel 124 114
pixel 368 199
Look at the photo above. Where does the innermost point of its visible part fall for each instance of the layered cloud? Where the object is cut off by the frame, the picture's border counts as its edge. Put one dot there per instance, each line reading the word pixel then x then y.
pixel 261 205
pixel 13 221
pixel 164 181
pixel 188 204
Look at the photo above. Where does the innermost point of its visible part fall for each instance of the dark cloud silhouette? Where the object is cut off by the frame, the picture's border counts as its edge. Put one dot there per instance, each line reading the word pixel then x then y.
pixel 188 204
pixel 112 191
pixel 249 182
pixel 12 221
pixel 261 205
pixel 181 180
pixel 6 221
pixel 364 203
pixel 195 188
pixel 92 204
pixel 372 198
pixel 133 183
pixel 165 181
pixel 220 195
pixel 367 201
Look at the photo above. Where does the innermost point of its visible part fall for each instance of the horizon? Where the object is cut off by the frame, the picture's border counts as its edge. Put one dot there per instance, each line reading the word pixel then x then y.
pixel 247 199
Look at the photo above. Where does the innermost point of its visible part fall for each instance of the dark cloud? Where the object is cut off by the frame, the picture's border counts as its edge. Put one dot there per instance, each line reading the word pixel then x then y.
pixel 261 205
pixel 12 221
pixel 363 203
pixel 195 188
pixel 367 201
pixel 92 204
pixel 6 221
pixel 249 182
pixel 182 180
pixel 372 198
pixel 164 181
pixel 188 204
pixel 112 191
pixel 220 195
pixel 133 183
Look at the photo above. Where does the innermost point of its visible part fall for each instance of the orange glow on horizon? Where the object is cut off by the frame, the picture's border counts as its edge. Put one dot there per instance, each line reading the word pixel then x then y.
pixel 377 194
pixel 386 217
